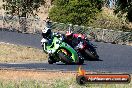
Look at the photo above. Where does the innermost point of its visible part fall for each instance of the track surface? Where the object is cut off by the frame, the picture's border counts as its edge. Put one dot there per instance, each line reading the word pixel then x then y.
pixel 116 58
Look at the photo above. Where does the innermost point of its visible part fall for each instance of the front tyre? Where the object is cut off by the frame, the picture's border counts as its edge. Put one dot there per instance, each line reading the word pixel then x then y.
pixel 63 58
pixel 81 60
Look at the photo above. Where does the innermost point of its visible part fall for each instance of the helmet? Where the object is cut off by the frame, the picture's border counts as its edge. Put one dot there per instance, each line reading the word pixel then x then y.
pixel 69 34
pixel 79 37
pixel 46 32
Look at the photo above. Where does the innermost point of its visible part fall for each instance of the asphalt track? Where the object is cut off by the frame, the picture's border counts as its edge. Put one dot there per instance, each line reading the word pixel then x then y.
pixel 115 58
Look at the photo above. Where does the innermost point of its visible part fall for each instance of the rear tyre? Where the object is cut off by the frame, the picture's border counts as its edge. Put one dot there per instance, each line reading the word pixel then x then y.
pixel 94 56
pixel 81 61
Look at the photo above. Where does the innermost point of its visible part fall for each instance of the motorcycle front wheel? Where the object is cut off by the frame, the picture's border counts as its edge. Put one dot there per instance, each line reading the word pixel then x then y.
pixel 81 60
pixel 51 60
pixel 64 58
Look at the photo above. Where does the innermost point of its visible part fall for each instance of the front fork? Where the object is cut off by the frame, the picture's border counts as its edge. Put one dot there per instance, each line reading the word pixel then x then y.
pixel 79 55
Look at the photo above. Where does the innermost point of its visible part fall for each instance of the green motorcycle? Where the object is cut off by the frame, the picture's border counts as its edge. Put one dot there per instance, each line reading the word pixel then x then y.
pixel 61 51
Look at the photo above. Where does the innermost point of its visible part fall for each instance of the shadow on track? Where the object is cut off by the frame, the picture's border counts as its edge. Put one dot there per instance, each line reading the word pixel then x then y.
pixel 78 64
pixel 93 59
pixel 69 64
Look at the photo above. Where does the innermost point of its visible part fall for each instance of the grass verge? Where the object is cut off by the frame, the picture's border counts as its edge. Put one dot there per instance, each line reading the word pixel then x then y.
pixel 16 53
pixel 32 79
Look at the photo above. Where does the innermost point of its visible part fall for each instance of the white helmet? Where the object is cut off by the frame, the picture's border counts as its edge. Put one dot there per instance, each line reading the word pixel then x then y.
pixel 45 30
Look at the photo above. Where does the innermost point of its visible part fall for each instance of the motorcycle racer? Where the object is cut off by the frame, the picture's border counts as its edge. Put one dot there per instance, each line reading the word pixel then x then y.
pixel 75 40
pixel 47 35
pixel 65 53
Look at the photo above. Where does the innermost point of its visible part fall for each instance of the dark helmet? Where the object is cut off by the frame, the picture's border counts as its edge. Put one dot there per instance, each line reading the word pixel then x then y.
pixel 79 37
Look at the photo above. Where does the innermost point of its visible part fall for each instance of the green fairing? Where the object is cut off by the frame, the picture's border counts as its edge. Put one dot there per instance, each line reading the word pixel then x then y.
pixel 55 47
pixel 57 44
pixel 69 48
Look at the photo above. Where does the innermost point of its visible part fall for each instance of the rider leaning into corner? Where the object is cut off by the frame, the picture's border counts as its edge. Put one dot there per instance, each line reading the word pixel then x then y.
pixel 73 39
pixel 47 35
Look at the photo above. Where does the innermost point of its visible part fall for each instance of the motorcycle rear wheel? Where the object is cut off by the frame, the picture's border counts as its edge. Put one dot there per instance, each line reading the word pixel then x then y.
pixel 81 62
pixel 94 57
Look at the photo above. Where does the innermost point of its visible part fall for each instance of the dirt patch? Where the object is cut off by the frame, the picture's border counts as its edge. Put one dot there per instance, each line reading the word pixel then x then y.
pixel 32 79
pixel 33 75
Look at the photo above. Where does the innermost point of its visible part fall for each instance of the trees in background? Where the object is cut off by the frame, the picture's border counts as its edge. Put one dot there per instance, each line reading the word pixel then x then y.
pixel 22 8
pixel 81 12
pixel 124 6
pixel 75 11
